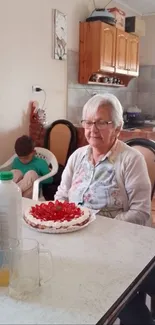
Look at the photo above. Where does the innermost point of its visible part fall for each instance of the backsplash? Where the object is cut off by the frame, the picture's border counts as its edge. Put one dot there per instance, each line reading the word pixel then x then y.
pixel 79 94
pixel 146 90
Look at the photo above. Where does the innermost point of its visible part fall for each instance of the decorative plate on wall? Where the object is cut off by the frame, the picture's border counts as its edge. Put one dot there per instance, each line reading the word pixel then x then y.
pixel 60 35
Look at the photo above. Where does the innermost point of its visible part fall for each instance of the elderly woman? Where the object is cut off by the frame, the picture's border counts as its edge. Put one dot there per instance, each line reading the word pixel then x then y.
pixel 110 178
pixel 107 176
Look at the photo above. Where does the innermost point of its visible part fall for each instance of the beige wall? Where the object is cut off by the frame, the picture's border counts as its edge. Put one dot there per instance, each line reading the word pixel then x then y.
pixel 25 60
pixel 147 44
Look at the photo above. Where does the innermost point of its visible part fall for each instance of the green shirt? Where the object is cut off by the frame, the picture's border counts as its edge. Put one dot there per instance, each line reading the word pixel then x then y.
pixel 37 164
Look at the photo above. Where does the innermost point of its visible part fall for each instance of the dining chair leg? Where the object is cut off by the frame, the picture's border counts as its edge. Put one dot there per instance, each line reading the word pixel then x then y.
pixel 153 307
pixel 143 299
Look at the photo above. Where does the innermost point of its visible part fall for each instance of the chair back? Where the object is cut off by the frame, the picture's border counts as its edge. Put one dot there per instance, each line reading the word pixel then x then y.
pixel 49 157
pixel 61 139
pixel 147 148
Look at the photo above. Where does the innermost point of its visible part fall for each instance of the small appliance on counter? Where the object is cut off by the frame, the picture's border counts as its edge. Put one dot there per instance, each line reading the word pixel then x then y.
pixel 133 118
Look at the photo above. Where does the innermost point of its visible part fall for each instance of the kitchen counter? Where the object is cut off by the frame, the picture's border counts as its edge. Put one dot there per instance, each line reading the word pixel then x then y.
pixel 144 132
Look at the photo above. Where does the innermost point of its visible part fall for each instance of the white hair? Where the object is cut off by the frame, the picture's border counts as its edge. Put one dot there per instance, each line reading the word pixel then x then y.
pixel 92 105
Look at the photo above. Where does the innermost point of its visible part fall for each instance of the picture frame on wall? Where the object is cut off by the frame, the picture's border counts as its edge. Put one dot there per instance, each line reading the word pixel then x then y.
pixel 60 35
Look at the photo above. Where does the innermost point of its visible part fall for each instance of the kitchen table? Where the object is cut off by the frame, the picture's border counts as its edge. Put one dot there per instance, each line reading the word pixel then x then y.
pixel 95 272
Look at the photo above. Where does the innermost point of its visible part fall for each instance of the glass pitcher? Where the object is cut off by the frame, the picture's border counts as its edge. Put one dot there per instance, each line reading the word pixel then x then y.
pixel 7 249
pixel 30 267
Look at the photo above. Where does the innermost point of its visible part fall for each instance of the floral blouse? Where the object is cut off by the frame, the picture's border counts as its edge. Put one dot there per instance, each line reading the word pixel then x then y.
pixel 96 186
pixel 118 186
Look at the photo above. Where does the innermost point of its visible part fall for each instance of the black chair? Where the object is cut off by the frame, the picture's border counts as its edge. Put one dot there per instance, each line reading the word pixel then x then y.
pixel 61 140
pixel 147 148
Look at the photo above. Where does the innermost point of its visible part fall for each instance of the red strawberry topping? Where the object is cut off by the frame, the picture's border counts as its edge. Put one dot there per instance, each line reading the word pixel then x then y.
pixel 56 211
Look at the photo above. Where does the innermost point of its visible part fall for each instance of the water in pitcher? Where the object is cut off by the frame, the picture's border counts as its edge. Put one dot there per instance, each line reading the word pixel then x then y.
pixel 22 287
pixel 25 271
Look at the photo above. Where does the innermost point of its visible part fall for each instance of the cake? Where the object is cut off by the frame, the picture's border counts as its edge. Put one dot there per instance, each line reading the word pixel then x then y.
pixel 56 215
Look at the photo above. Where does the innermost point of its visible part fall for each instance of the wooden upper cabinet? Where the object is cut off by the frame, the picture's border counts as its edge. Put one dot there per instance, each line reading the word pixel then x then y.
pixel 121 52
pixel 127 53
pixel 133 55
pixel 97 49
pixel 107 48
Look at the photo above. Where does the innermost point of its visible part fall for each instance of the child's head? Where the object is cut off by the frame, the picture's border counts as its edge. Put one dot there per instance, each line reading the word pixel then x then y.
pixel 24 148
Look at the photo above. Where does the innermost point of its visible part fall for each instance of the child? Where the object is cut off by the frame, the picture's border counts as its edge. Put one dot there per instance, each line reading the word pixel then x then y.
pixel 26 167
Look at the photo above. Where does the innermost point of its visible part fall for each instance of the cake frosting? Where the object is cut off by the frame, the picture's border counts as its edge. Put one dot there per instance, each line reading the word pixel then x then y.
pixel 37 220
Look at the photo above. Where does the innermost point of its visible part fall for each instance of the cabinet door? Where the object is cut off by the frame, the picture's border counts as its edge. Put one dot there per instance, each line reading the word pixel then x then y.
pixel 121 52
pixel 133 56
pixel 107 48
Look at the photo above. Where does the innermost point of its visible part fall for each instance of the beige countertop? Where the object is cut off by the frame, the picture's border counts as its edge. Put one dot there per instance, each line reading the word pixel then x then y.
pixel 92 268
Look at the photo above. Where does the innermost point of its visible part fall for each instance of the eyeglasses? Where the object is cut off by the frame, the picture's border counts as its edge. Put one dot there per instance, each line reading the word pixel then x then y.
pixel 100 125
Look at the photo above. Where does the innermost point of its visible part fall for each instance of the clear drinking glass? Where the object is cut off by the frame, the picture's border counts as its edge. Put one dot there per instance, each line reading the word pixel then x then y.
pixel 30 267
pixel 7 249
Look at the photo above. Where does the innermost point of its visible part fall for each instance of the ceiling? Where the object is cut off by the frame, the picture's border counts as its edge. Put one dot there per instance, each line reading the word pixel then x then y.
pixel 142 7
